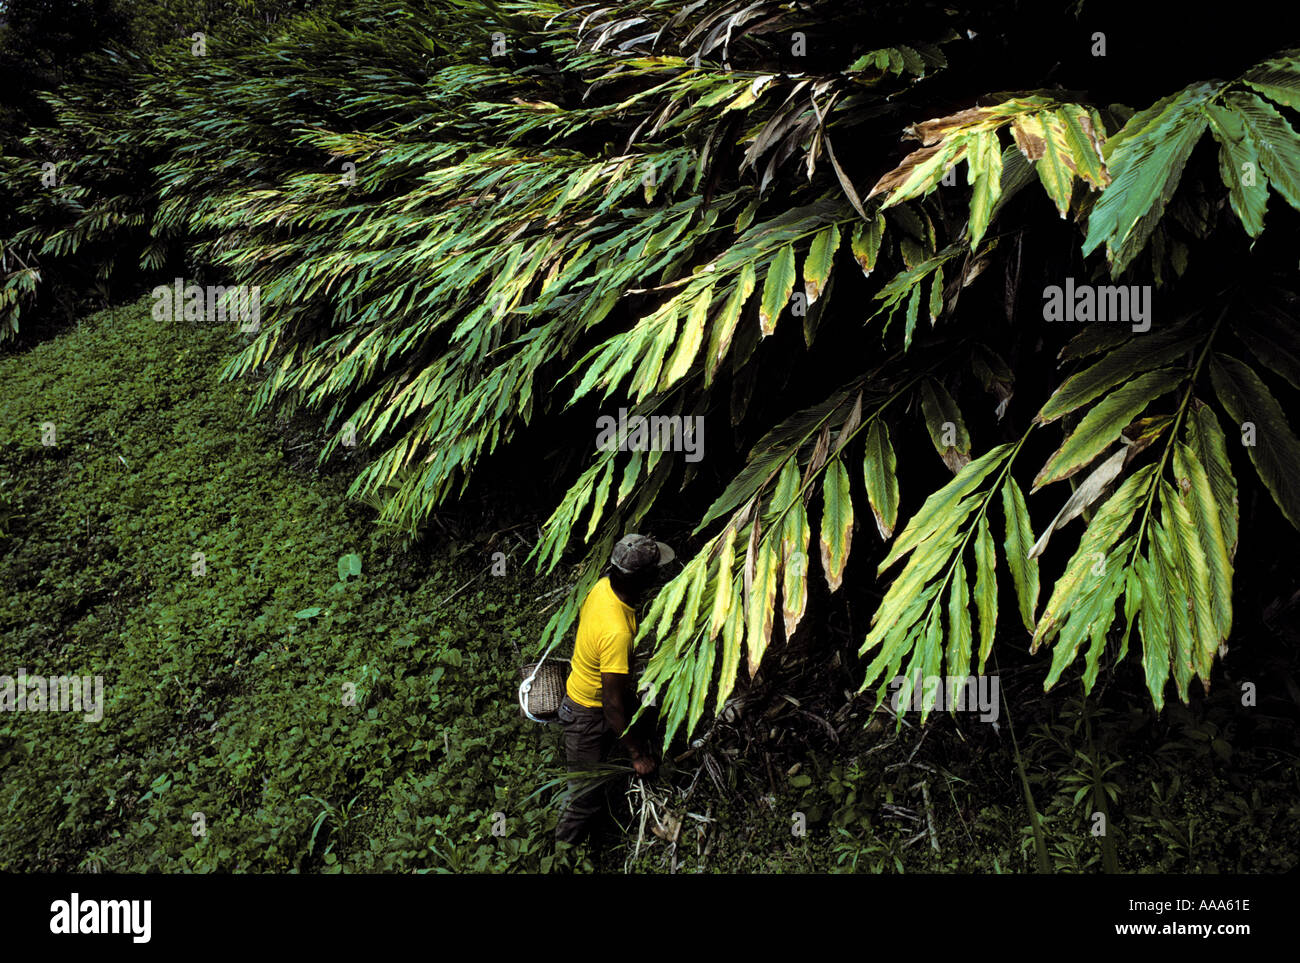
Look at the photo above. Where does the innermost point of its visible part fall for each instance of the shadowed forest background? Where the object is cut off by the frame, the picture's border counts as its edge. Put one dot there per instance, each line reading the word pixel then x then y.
pixel 478 227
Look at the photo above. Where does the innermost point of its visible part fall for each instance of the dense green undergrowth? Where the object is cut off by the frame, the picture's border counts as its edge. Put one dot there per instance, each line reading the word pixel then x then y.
pixel 226 690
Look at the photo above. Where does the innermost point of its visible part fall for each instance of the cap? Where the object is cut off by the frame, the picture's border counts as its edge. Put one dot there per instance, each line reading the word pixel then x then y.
pixel 636 552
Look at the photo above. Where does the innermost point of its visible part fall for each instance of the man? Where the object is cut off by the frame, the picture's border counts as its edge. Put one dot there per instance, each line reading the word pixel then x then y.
pixel 600 697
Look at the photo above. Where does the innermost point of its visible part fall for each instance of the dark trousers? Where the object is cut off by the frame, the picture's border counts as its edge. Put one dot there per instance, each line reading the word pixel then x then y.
pixel 588 741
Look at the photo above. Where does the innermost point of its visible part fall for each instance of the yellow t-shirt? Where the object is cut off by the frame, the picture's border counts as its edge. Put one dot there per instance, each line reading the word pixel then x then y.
pixel 606 628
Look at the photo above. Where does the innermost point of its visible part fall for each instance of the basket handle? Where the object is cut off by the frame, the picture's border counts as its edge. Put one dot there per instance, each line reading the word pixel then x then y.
pixel 526 686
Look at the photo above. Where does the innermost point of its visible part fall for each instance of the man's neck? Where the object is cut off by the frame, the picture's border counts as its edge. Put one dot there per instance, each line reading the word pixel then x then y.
pixel 630 599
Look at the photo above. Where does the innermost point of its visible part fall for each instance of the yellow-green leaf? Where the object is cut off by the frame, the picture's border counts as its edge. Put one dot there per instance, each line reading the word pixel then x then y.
pixel 821 257
pixel 986 587
pixel 722 583
pixel 1055 168
pixel 688 341
pixel 724 326
pixel 777 287
pixel 985 177
pixel 762 598
pixel 1120 363
pixel 794 556
pixel 865 242
pixel 1206 439
pixel 959 628
pixel 733 636
pixel 936 295
pixel 602 494
pixel 697 572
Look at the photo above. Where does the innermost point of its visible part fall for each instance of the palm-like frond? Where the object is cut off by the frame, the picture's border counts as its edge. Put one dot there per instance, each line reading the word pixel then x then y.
pixel 467 219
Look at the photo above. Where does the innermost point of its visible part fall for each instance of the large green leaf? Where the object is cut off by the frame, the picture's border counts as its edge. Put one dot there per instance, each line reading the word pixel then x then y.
pixel 1205 513
pixel 733 637
pixel 1090 614
pixel 1274 339
pixel 1145 168
pixel 761 602
pixel 947 507
pixel 1103 423
pixel 602 495
pixel 1240 168
pixel 687 627
pixel 700 679
pixel 1278 80
pixel 1153 623
pixel 1019 540
pixel 1187 554
pixel 1120 364
pixel 880 469
pixel 986 587
pixel 1275 452
pixel 959 627
pixel 721 607
pixel 1178 605
pixel 913 312
pixel 1274 138
pixel 1206 439
pixel 837 522
pixel 946 426
pixel 1095 549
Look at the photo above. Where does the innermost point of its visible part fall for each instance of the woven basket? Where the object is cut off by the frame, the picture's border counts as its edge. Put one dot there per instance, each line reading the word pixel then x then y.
pixel 548 690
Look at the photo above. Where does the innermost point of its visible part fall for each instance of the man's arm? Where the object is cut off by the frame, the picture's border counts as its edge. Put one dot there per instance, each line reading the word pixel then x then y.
pixel 619 703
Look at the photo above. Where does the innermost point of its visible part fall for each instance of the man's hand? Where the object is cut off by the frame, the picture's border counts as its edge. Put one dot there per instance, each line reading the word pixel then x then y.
pixel 644 765
pixel 619 702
